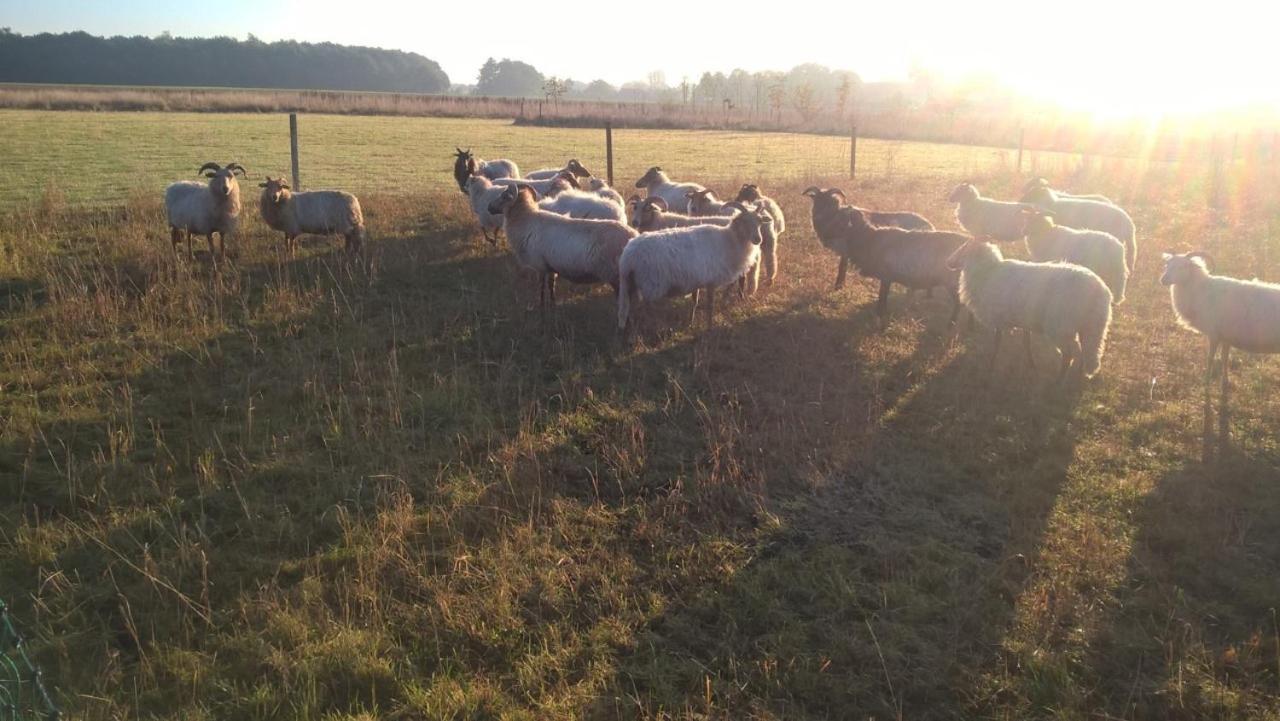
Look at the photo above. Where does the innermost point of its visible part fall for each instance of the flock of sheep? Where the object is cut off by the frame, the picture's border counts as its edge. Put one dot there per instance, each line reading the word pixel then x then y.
pixel 681 239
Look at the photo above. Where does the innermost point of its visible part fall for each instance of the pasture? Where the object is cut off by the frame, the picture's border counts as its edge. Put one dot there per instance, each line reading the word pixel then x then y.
pixel 314 488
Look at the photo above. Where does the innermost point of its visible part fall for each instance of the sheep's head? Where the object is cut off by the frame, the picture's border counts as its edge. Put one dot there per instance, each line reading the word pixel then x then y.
pixel 1035 183
pixel 274 190
pixel 749 222
pixel 1036 222
pixel 514 194
pixel 1182 268
pixel 576 168
pixel 700 201
pixel 1040 196
pixel 477 183
pixel 652 177
pixel 464 166
pixel 647 210
pixel 749 193
pixel 963 192
pixel 599 184
pixel 974 249
pixel 824 200
pixel 633 210
pixel 222 181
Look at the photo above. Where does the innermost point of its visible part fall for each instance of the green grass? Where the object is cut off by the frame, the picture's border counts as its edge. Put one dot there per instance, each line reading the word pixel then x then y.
pixel 309 488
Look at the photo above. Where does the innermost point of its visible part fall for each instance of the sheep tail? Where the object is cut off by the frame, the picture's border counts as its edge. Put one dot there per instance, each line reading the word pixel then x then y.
pixel 1093 333
pixel 626 286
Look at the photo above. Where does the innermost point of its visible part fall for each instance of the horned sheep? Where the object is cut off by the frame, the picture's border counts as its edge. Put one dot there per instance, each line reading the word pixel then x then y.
pixel 205 208
pixel 831 223
pixel 466 164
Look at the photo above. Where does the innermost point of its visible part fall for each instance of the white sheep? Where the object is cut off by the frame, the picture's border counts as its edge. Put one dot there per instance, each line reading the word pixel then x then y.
pixel 318 212
pixel 1041 182
pixel 1088 215
pixel 705 203
pixel 205 208
pixel 750 193
pixel 1093 249
pixel 982 217
pixel 652 214
pixel 481 192
pixel 602 189
pixel 1066 303
pixel 573 167
pixel 1229 312
pixel 660 186
pixel 582 251
pixel 547 188
pixel 679 261
pixel 583 204
pixel 466 165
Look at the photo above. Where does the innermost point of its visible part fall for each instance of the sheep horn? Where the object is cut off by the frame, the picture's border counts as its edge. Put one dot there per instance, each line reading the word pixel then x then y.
pixel 811 191
pixel 839 192
pixel 233 167
pixel 208 166
pixel 1205 256
pixel 659 202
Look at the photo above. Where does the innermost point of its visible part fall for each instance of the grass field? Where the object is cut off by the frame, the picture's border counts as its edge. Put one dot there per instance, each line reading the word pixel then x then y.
pixel 317 489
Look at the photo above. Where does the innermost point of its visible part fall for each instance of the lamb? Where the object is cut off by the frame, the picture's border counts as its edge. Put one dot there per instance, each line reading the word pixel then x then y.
pixel 660 186
pixel 1067 303
pixel 583 204
pixel 466 165
pixel 704 203
pixel 205 208
pixel 547 188
pixel 750 193
pixel 320 212
pixel 482 192
pixel 1093 249
pixel 1088 215
pixel 916 259
pixel 573 167
pixel 602 189
pixel 651 214
pixel 678 261
pixel 583 251
pixel 1229 312
pixel 1042 183
pixel 981 216
pixel 830 223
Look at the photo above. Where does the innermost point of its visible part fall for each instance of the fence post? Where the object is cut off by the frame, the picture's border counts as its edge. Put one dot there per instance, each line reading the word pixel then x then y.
pixel 1022 136
pixel 608 149
pixel 853 151
pixel 293 148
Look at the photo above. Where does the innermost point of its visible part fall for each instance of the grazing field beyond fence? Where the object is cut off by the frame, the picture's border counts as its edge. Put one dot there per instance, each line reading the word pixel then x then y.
pixel 315 487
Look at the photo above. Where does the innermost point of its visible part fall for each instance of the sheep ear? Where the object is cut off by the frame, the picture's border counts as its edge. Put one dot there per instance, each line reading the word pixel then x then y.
pixel 262 185
pixel 837 192
pixel 811 191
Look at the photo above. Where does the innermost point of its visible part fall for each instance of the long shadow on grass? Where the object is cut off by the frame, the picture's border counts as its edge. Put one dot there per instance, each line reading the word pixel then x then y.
pixel 903 497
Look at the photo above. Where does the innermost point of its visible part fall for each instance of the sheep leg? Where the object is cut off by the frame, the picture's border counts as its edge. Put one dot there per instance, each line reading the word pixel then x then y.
pixel 955 306
pixel 1031 358
pixel 882 304
pixel 711 309
pixel 175 235
pixel 1207 432
pixel 844 268
pixel 190 254
pixel 1224 416
pixel 1070 352
pixel 212 256
pixel 693 313
pixel 551 289
pixel 753 278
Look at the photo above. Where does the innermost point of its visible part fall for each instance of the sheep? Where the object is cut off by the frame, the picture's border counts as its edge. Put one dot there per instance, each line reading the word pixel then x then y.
pixel 1041 182
pixel 583 251
pixel 548 188
pixel 651 214
pixel 1229 312
pixel 830 223
pixel 979 216
pixel 319 212
pixel 1093 249
pixel 602 189
pixel 660 186
pixel 1088 215
pixel 705 203
pixel 750 193
pixel 466 165
pixel 913 258
pixel 677 261
pixel 205 208
pixel 1067 303
pixel 482 192
pixel 573 167
pixel 583 204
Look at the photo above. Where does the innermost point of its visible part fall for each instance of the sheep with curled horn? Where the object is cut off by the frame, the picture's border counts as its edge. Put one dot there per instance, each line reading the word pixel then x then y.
pixel 466 164
pixel 205 208
pixel 1229 313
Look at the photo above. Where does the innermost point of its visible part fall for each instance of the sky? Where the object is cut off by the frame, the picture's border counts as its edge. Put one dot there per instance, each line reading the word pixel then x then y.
pixel 1110 57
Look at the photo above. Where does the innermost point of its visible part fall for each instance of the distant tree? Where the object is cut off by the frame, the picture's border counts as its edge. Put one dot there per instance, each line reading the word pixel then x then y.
pixel 509 78
pixel 802 97
pixel 553 88
pixel 599 90
pixel 657 80
pixel 684 91
pixel 777 94
pixel 842 95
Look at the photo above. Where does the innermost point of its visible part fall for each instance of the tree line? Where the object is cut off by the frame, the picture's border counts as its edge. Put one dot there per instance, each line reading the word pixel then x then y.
pixel 81 58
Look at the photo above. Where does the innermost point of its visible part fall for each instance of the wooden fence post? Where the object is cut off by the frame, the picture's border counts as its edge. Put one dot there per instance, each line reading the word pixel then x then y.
pixel 293 148
pixel 1022 136
pixel 608 149
pixel 853 151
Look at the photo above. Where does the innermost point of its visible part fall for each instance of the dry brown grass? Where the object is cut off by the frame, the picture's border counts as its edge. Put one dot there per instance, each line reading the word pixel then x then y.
pixel 312 488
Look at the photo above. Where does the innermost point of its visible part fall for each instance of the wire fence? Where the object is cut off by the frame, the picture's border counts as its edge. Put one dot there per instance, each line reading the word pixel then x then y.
pixel 23 696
